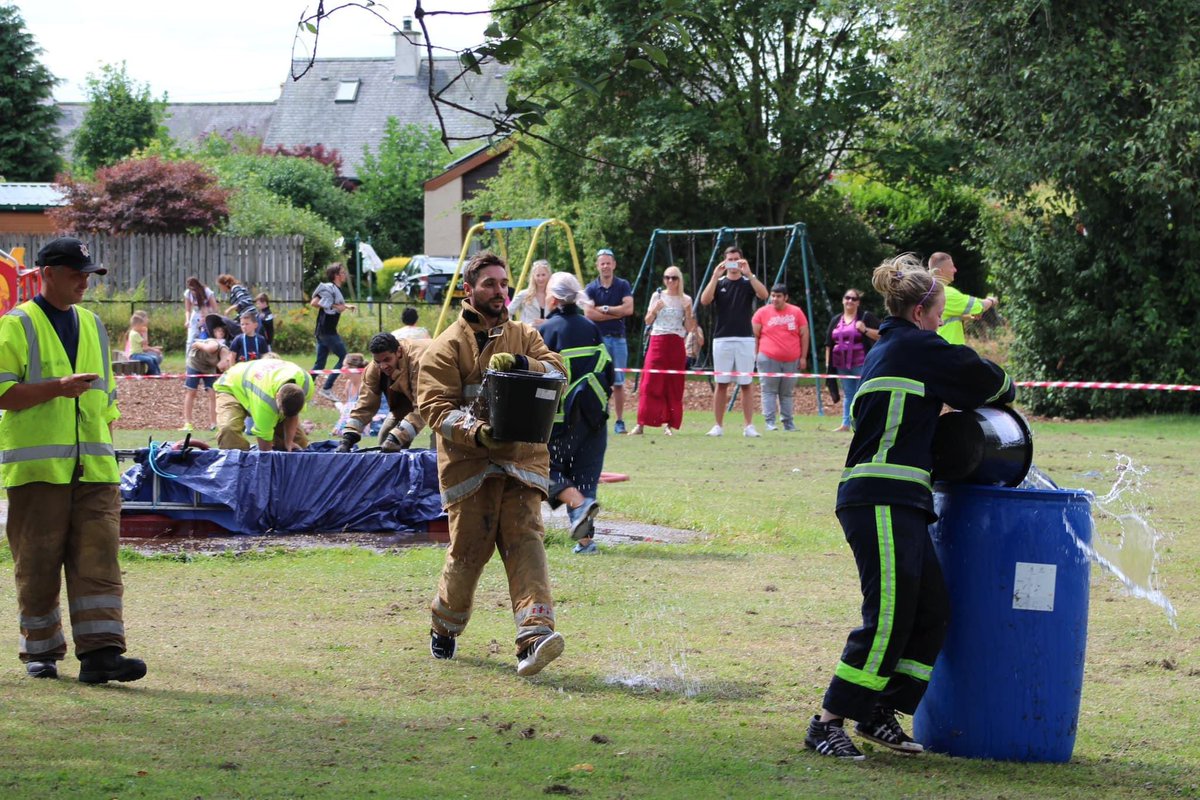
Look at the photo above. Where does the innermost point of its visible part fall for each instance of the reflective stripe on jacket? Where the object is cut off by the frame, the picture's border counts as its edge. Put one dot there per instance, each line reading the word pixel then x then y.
pixel 55 441
pixel 448 388
pixel 909 375
pixel 254 384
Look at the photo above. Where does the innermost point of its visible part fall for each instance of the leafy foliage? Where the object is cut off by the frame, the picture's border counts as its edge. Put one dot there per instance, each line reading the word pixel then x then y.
pixel 302 182
pixel 1092 107
pixel 29 141
pixel 723 112
pixel 254 211
pixel 924 219
pixel 146 195
pixel 121 118
pixel 392 190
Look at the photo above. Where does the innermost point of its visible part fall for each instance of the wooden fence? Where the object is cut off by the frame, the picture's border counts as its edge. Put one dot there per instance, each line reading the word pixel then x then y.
pixel 161 263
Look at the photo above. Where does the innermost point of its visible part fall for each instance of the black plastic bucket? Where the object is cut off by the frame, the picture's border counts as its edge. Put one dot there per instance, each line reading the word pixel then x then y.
pixel 522 404
pixel 989 446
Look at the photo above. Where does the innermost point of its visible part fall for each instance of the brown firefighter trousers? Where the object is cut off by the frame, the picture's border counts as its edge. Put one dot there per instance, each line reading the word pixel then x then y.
pixel 231 426
pixel 504 515
pixel 73 527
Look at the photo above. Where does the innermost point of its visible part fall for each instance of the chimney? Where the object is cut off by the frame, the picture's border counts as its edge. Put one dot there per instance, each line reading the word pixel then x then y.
pixel 409 50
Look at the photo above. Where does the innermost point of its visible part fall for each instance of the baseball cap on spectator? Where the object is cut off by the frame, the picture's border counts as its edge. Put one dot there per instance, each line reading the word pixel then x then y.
pixel 67 251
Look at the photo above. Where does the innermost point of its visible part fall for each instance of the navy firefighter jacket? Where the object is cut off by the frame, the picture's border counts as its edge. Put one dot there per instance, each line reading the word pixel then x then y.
pixel 590 371
pixel 908 375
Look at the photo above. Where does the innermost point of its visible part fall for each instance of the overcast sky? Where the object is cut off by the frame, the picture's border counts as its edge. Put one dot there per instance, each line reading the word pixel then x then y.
pixel 217 50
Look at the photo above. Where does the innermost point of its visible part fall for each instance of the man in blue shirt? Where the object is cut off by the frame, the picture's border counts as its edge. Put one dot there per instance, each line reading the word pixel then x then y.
pixel 612 302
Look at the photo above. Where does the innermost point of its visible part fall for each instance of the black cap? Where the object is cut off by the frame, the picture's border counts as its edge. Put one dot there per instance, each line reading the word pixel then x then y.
pixel 67 251
pixel 213 321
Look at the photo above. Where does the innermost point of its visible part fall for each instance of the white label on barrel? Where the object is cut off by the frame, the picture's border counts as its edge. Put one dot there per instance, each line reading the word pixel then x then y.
pixel 546 394
pixel 1033 586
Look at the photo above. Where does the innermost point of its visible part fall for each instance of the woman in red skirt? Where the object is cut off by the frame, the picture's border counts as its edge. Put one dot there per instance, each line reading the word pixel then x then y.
pixel 660 398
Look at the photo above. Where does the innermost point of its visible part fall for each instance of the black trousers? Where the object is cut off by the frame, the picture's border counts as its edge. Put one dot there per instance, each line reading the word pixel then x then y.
pixel 888 659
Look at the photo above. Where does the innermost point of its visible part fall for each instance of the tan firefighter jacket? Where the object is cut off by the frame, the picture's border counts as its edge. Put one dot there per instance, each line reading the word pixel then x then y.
pixel 401 392
pixel 448 397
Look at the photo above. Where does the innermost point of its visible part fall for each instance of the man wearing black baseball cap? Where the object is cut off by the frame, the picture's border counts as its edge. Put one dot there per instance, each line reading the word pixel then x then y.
pixel 59 467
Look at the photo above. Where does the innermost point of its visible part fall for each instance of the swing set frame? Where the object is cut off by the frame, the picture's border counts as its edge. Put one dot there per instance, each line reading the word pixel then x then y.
pixel 503 226
pixel 797 240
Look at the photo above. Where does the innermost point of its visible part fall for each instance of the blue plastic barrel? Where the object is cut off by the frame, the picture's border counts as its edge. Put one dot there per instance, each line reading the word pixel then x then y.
pixel 1007 683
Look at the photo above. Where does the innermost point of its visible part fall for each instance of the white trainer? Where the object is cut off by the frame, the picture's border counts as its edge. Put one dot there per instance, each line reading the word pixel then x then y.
pixel 715 430
pixel 750 432
pixel 536 656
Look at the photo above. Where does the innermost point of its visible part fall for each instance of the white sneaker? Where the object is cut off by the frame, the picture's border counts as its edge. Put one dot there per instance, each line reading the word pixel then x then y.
pixel 750 432
pixel 715 430
pixel 771 426
pixel 536 656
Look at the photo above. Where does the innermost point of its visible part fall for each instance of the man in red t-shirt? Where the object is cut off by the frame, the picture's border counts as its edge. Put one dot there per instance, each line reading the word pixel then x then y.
pixel 781 345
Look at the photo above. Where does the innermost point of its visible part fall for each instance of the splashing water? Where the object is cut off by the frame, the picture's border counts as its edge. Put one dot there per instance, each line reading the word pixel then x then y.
pixel 1036 479
pixel 1125 541
pixel 659 664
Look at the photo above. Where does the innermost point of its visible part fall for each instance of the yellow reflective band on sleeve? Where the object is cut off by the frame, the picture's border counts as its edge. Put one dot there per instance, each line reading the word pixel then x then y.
pixel 892 385
pixel 1003 388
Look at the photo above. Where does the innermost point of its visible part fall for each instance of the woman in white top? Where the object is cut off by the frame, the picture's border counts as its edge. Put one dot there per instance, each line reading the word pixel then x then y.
pixel 198 303
pixel 660 397
pixel 529 304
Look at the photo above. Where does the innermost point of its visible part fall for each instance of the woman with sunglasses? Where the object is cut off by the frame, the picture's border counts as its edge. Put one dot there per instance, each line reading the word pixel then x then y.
pixel 660 398
pixel 847 341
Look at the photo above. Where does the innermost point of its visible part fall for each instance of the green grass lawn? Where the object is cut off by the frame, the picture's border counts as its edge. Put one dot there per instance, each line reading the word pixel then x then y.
pixel 690 670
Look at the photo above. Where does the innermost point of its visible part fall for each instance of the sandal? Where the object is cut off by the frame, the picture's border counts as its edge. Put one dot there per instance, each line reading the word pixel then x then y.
pixel 637 431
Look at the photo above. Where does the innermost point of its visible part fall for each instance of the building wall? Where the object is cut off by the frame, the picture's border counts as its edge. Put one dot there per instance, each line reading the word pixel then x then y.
pixel 25 222
pixel 443 219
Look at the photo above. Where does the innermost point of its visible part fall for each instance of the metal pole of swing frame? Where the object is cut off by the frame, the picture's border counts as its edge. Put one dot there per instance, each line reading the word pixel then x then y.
pixel 805 246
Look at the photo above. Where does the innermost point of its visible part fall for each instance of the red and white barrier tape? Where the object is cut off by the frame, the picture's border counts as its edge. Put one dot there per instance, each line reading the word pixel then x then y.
pixel 1145 387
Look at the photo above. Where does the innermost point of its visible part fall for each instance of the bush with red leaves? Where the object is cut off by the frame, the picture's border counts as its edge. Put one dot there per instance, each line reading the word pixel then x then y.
pixel 144 195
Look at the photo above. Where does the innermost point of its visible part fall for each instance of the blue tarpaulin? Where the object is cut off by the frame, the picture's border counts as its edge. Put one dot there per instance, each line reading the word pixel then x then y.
pixel 307 492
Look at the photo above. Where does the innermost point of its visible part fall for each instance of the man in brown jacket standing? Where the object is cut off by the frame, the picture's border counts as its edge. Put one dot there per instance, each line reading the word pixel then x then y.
pixel 492 491
pixel 392 373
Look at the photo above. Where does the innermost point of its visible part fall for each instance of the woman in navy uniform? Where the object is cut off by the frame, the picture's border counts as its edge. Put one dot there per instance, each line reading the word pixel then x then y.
pixel 885 505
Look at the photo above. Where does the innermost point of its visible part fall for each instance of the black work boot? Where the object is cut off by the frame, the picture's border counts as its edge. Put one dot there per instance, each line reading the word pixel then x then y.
pixel 107 664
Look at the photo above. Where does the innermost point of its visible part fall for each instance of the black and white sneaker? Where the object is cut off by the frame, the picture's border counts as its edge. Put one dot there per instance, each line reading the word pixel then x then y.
pixel 882 728
pixel 442 647
pixel 537 655
pixel 829 739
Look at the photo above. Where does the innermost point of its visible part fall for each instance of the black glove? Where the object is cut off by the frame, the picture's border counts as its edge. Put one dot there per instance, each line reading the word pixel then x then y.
pixel 392 443
pixel 349 439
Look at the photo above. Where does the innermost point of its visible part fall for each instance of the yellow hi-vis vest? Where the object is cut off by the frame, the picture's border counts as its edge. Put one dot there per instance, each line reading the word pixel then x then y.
pixel 254 384
pixel 64 438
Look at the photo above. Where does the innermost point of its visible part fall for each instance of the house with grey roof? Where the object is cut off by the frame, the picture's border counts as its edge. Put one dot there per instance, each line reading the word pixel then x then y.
pixel 344 103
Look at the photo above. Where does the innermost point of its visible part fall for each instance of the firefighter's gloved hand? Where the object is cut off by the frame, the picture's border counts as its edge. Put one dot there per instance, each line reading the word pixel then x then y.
pixel 502 362
pixel 349 439
pixel 392 443
pixel 485 439
pixel 386 427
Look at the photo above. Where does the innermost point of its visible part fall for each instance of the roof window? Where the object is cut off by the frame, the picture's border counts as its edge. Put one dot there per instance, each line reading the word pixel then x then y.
pixel 347 91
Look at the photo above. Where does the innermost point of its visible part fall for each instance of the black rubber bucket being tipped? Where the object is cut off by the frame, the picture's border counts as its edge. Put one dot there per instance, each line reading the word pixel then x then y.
pixel 989 446
pixel 522 404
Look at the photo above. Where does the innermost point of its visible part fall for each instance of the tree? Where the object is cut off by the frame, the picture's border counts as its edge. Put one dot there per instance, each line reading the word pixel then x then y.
pixel 1082 116
pixel 728 112
pixel 29 140
pixel 145 195
pixel 121 118
pixel 392 191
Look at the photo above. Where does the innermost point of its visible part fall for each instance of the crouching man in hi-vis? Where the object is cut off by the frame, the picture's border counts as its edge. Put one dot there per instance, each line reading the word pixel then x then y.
pixel 272 393
pixel 492 491
pixel 59 467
